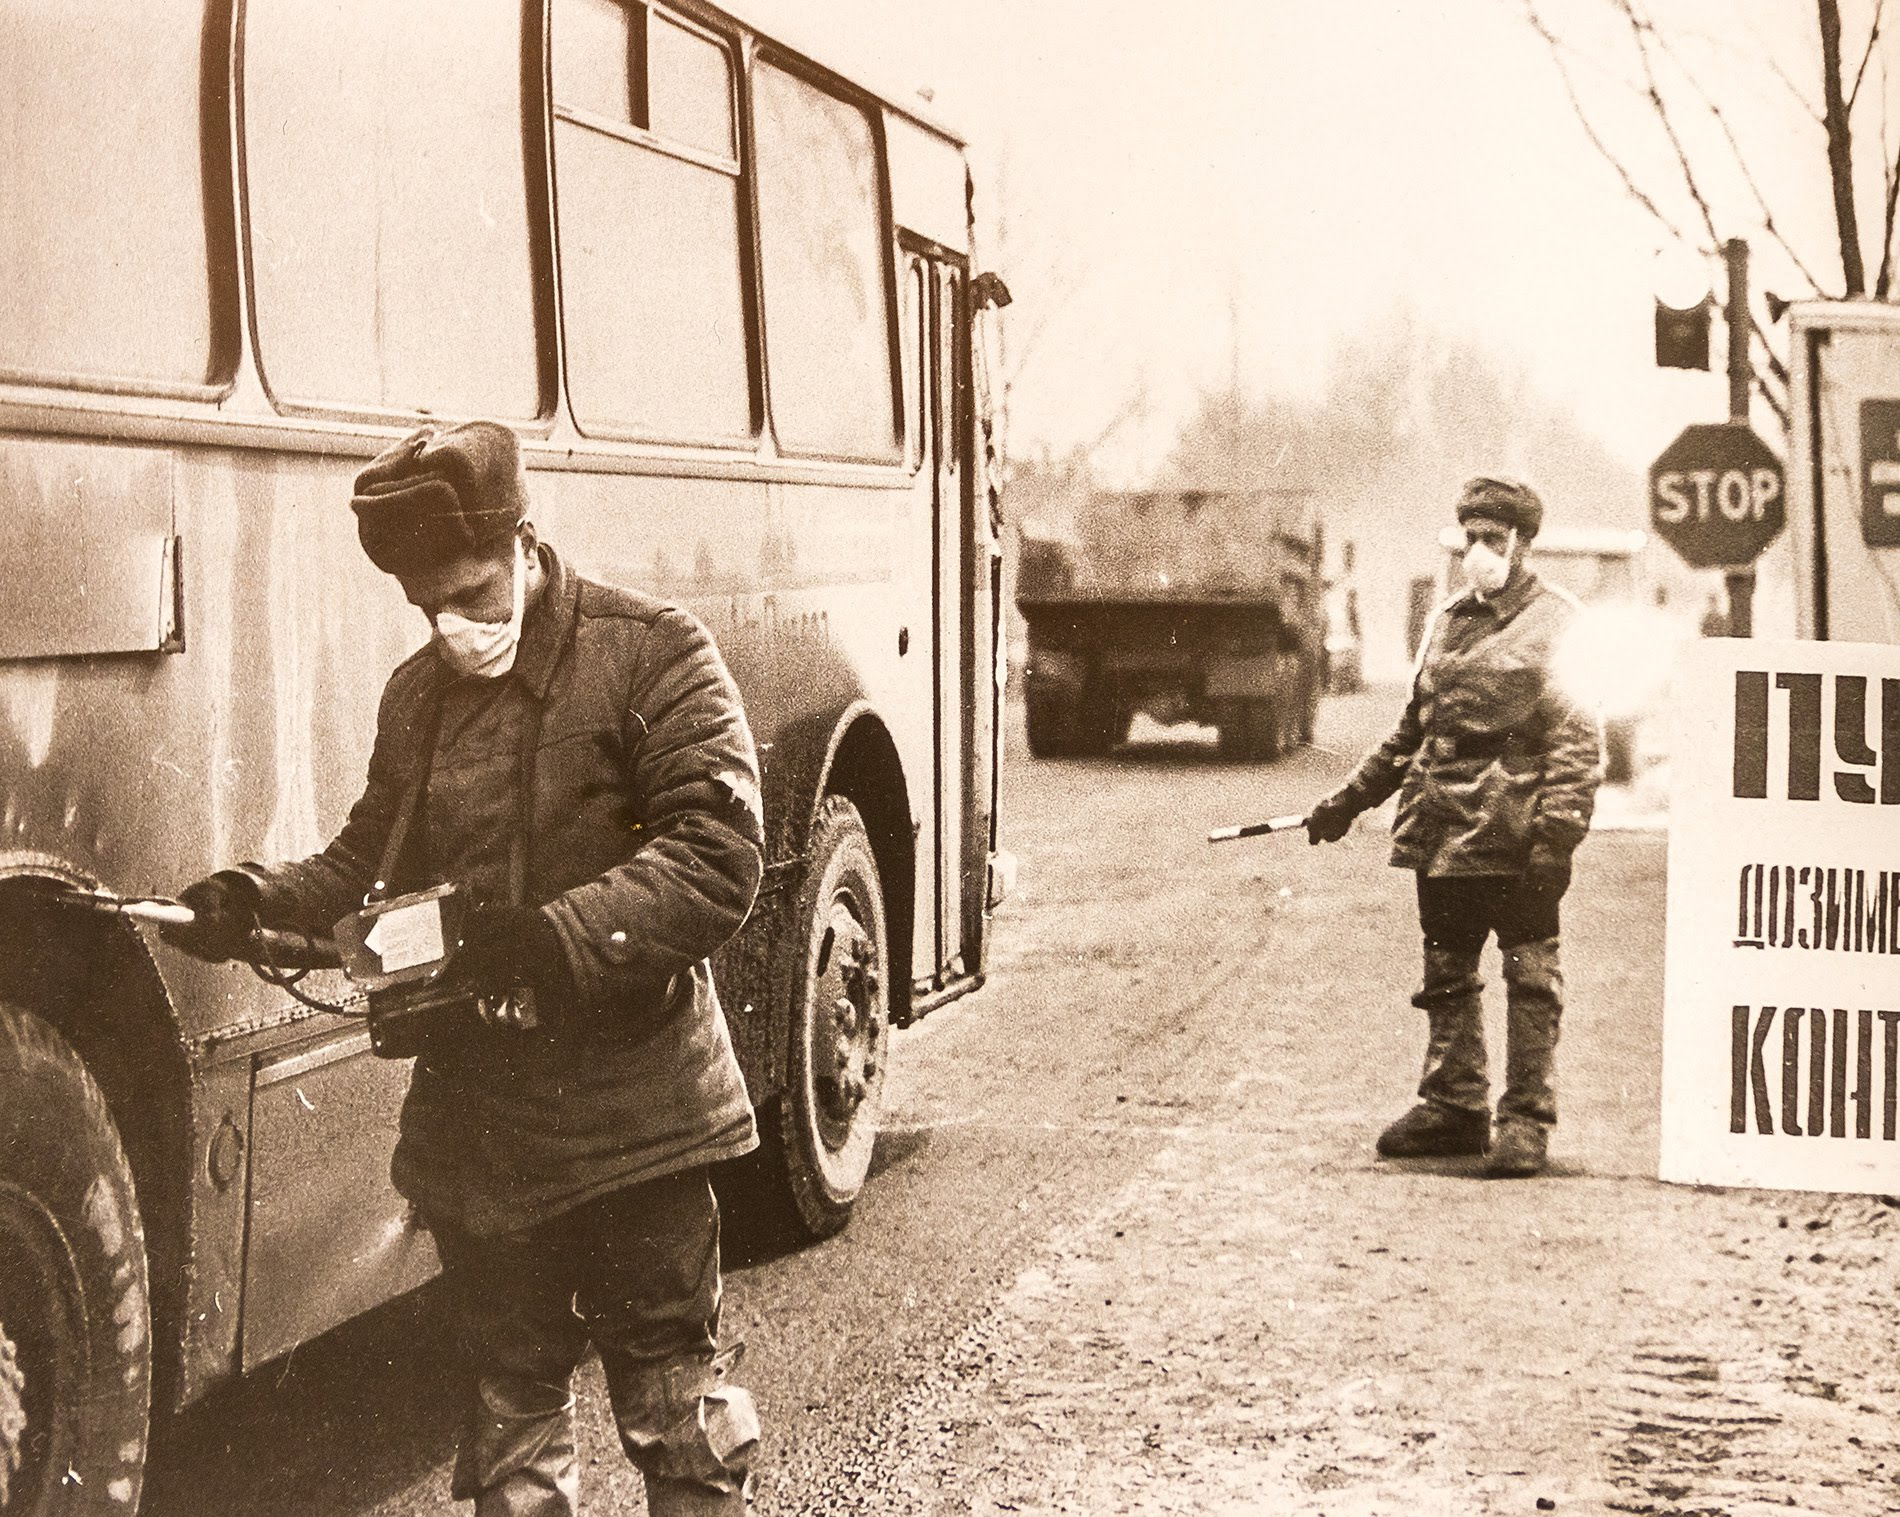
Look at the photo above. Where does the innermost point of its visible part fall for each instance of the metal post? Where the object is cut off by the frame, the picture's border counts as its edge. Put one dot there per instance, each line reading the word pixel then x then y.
pixel 1741 372
pixel 1741 375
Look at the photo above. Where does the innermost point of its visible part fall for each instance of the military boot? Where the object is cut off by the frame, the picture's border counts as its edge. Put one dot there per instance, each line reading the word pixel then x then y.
pixel 692 1435
pixel 1454 1114
pixel 517 1456
pixel 1431 1131
pixel 1534 990
pixel 1520 1149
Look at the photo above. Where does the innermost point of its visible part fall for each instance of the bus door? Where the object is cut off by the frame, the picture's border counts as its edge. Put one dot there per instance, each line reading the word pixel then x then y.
pixel 946 380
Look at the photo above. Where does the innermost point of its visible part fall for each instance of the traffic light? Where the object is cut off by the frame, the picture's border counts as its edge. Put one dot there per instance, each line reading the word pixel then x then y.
pixel 1682 336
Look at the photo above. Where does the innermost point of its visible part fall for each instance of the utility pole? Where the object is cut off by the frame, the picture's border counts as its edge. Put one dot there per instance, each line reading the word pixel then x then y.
pixel 1741 375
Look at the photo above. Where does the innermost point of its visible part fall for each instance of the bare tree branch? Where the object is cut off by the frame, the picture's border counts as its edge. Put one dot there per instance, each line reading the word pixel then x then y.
pixel 1710 104
pixel 1641 30
pixel 1794 89
pixel 1631 187
pixel 1604 70
pixel 1775 365
pixel 1890 196
pixel 1883 282
pixel 1763 53
pixel 1840 149
pixel 1873 38
pixel 1775 403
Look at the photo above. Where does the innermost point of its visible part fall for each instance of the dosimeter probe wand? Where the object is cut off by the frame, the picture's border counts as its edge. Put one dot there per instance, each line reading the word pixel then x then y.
pixel 1256 829
pixel 271 947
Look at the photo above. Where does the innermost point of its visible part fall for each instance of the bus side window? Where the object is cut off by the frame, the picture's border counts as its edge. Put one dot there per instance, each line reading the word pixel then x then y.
pixel 388 193
pixel 823 248
pixel 647 175
pixel 689 88
pixel 104 245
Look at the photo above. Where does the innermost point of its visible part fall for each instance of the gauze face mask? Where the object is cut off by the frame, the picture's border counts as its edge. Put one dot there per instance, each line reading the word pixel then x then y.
pixel 484 649
pixel 1486 569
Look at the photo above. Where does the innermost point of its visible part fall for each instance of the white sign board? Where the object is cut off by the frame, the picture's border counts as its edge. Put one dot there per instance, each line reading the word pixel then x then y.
pixel 1781 997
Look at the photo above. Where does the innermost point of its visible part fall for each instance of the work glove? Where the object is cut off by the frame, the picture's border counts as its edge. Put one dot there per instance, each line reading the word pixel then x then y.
pixel 224 910
pixel 1548 869
pixel 506 946
pixel 1330 819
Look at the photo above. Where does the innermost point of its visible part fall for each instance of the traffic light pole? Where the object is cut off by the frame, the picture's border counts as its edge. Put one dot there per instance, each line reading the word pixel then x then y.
pixel 1741 374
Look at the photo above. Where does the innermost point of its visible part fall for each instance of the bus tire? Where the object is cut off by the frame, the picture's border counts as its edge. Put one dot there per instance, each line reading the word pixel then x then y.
pixel 75 1316
pixel 840 1026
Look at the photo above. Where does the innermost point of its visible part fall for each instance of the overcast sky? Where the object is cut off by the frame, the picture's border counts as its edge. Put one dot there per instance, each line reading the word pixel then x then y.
pixel 1314 167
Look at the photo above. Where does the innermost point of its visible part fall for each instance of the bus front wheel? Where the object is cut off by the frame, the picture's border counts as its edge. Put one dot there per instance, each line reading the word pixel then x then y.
pixel 840 1028
pixel 75 1319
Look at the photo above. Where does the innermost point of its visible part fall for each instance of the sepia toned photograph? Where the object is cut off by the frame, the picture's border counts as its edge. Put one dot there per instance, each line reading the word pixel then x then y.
pixel 819 757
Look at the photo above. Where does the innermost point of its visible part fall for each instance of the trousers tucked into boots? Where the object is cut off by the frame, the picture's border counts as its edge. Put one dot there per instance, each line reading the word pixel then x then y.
pixel 1457 914
pixel 636 1274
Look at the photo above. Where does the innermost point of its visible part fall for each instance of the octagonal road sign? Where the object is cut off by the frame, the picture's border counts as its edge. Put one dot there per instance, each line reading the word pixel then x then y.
pixel 1717 495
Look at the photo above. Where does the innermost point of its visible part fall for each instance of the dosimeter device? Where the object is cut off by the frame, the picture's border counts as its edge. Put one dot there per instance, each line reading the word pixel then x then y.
pixel 398 955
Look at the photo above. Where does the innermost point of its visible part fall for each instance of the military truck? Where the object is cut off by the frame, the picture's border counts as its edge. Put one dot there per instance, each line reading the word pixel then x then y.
pixel 1189 605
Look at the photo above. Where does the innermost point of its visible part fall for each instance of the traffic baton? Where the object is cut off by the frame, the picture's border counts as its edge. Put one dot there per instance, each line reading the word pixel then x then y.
pixel 1256 829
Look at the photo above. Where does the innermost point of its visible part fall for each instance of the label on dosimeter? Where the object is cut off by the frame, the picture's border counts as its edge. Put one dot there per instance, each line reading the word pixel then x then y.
pixel 406 936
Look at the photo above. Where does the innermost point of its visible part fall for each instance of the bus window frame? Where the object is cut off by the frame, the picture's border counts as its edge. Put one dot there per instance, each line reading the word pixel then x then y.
pixel 915 317
pixel 537 160
pixel 745 211
pixel 842 89
pixel 228 312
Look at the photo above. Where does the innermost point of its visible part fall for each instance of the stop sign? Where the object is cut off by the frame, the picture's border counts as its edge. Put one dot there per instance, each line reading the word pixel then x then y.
pixel 1717 495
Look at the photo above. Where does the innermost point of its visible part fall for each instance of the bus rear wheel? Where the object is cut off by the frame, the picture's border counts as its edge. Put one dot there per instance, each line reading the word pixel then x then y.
pixel 75 1323
pixel 840 1026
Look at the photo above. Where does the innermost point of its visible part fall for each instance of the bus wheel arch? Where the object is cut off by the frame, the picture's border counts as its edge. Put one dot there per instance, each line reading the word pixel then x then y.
pixel 865 769
pixel 91 982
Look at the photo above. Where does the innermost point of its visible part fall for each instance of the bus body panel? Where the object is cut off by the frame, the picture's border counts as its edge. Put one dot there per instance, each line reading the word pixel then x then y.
pixel 273 702
pixel 329 1236
pixel 93 517
pixel 194 649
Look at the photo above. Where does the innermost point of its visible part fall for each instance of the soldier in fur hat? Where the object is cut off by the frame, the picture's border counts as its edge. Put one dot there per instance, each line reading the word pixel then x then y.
pixel 1496 771
pixel 575 759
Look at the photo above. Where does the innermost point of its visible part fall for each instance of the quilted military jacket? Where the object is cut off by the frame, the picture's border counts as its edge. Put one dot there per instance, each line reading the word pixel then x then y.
pixel 642 844
pixel 1490 758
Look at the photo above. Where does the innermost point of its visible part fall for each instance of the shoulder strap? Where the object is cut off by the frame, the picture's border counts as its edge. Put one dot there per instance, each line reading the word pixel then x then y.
pixel 406 808
pixel 524 804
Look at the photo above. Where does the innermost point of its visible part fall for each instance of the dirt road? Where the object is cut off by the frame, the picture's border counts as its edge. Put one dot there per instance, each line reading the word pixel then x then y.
pixel 1129 1251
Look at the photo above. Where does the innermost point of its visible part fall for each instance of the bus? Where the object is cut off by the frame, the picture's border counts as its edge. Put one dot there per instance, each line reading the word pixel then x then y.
pixel 725 295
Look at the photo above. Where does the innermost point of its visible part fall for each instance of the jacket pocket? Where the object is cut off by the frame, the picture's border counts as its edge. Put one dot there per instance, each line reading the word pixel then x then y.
pixel 1498 811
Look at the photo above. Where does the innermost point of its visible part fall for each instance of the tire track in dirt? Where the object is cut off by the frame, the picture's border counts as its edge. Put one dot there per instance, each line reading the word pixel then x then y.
pixel 1723 1436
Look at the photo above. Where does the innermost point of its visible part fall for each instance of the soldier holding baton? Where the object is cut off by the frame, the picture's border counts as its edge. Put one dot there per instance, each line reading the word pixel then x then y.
pixel 1496 771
